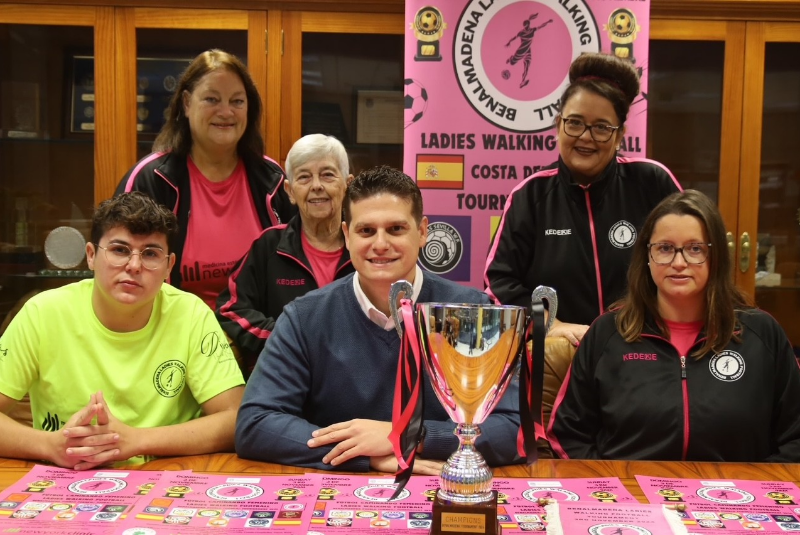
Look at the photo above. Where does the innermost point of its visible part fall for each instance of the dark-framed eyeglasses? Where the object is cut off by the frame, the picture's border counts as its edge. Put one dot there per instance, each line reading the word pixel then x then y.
pixel 664 253
pixel 599 132
pixel 118 254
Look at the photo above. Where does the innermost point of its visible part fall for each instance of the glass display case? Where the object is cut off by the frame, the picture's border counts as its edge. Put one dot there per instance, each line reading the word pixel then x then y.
pixel 46 164
pixel 777 244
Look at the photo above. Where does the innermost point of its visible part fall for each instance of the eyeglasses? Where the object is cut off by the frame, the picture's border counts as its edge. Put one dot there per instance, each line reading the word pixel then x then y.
pixel 119 255
pixel 664 253
pixel 599 132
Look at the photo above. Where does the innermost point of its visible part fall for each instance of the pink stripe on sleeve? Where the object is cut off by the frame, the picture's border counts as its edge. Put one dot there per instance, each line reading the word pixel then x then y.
pixel 225 309
pixel 144 161
pixel 554 443
pixel 622 159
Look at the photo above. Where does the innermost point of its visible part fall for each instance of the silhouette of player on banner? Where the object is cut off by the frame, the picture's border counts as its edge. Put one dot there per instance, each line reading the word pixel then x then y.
pixel 523 52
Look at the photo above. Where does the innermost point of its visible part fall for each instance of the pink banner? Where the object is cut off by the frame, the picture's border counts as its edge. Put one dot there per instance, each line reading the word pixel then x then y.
pixel 483 85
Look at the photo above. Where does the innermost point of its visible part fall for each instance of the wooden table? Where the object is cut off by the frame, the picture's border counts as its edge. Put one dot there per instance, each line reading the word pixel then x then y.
pixel 228 463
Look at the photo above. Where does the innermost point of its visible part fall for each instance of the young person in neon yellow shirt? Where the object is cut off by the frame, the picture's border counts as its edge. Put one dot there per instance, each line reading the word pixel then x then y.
pixel 121 365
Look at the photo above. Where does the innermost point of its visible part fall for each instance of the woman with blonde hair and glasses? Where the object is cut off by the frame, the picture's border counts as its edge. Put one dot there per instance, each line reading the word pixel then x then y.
pixel 683 367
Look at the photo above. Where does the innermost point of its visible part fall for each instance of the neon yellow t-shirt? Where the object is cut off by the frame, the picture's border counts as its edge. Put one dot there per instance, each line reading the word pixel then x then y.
pixel 58 351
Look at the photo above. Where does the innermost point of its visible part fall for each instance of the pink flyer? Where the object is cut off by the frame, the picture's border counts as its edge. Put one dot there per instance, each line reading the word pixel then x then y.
pixel 360 504
pixel 726 492
pixel 354 503
pixel 519 508
pixel 738 519
pixel 190 503
pixel 612 519
pixel 738 506
pixel 57 500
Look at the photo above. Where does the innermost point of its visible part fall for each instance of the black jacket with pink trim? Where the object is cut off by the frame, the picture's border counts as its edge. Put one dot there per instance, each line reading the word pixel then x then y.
pixel 625 400
pixel 575 239
pixel 272 274
pixel 164 176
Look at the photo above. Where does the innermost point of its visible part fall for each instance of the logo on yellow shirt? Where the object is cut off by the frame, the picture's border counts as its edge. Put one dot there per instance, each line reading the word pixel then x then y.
pixel 169 378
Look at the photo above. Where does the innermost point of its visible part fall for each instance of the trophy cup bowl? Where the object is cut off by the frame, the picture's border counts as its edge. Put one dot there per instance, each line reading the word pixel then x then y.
pixel 471 353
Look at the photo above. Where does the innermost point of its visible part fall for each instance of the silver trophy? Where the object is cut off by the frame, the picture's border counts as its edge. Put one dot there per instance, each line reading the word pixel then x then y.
pixel 471 353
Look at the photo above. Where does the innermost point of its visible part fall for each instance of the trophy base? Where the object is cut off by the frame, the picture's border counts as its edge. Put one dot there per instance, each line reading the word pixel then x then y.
pixel 453 518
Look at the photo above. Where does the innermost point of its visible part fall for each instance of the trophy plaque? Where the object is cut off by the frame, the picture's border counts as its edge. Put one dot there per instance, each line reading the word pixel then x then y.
pixel 428 26
pixel 471 353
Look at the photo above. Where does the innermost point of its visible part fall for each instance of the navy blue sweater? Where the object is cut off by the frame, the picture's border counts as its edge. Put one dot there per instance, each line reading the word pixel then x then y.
pixel 326 362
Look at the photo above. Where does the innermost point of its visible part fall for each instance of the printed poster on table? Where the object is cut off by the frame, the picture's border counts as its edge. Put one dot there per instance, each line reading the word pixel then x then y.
pixel 360 504
pixel 521 502
pixel 482 88
pixel 571 518
pixel 195 503
pixel 737 506
pixel 57 500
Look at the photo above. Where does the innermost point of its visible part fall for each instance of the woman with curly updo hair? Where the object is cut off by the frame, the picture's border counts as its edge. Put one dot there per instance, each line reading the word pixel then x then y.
pixel 572 226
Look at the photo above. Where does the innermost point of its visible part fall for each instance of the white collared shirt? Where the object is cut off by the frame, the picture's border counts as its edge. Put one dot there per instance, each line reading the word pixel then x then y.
pixel 375 315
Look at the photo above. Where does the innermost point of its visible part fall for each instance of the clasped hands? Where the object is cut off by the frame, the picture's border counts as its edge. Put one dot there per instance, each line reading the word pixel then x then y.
pixel 369 438
pixel 92 437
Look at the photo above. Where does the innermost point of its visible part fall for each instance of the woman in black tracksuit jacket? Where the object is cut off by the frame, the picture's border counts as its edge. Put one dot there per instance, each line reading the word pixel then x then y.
pixel 572 226
pixel 682 368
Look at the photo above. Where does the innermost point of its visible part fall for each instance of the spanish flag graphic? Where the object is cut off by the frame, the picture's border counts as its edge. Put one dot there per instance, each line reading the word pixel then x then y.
pixel 440 171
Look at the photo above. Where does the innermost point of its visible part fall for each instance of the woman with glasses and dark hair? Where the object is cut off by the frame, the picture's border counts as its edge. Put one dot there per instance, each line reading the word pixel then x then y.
pixel 208 166
pixel 682 368
pixel 572 225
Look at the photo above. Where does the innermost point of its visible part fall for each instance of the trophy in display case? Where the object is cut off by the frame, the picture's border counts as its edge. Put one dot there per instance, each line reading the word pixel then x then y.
pixel 471 353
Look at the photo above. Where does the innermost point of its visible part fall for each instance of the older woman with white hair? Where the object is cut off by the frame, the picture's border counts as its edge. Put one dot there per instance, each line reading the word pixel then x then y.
pixel 290 260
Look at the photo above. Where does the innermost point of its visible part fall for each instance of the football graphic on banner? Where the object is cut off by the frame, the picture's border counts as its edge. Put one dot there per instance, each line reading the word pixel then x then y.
pixel 415 101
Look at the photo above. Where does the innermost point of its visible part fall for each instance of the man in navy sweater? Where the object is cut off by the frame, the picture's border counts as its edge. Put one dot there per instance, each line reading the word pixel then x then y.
pixel 321 393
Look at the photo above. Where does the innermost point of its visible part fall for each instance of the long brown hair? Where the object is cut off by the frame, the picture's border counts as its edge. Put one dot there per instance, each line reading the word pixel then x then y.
pixel 723 298
pixel 175 135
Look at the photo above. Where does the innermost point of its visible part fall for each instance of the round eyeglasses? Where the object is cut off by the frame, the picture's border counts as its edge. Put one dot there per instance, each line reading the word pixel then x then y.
pixel 599 132
pixel 119 255
pixel 665 253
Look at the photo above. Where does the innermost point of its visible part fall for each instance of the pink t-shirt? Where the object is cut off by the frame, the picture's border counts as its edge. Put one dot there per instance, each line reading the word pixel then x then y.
pixel 684 334
pixel 223 222
pixel 323 263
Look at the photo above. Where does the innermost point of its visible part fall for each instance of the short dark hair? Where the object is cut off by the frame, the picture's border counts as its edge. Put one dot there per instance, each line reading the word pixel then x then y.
pixel 383 179
pixel 609 76
pixel 136 212
pixel 175 135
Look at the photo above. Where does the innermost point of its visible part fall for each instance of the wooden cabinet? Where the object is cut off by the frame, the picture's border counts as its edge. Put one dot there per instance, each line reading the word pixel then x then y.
pixel 724 104
pixel 57 136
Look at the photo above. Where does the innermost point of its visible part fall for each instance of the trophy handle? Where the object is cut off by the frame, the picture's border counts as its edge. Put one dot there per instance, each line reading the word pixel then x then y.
pixel 545 293
pixel 400 287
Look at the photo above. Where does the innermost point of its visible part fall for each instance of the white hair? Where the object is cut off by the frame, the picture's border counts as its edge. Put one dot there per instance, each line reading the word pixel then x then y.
pixel 317 147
